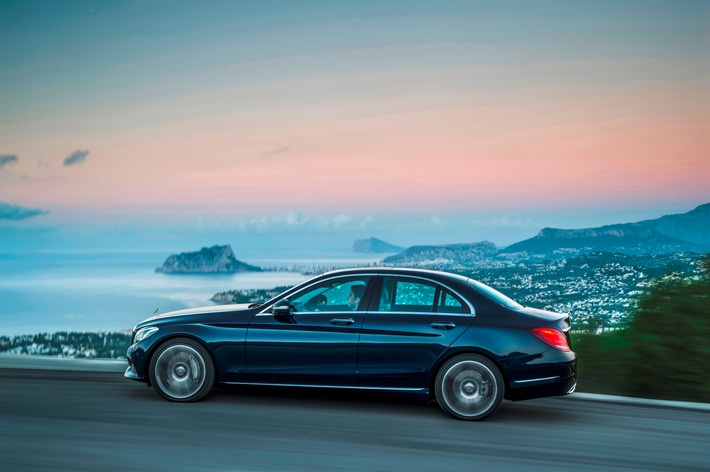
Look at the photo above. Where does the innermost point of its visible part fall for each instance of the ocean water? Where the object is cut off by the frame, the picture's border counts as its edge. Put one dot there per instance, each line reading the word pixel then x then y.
pixel 111 292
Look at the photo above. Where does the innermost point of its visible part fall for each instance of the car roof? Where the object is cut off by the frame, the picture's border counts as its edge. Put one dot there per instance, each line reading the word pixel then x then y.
pixel 433 274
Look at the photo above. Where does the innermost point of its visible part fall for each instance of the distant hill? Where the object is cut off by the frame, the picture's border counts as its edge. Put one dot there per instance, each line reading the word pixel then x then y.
pixel 208 260
pixel 466 254
pixel 687 232
pixel 375 246
pixel 693 226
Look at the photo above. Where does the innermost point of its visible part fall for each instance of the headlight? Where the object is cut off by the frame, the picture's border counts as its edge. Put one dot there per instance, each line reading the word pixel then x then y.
pixel 145 333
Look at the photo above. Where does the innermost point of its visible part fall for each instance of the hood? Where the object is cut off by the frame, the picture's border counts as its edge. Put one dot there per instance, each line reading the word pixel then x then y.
pixel 204 310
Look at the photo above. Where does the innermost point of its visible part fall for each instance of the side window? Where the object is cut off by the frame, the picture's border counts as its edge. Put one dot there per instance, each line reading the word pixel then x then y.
pixel 410 295
pixel 407 295
pixel 341 294
pixel 449 303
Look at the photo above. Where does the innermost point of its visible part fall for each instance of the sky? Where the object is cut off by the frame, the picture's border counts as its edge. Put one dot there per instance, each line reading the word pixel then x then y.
pixel 128 123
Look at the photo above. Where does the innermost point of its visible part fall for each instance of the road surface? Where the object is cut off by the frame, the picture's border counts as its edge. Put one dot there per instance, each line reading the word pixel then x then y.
pixel 88 421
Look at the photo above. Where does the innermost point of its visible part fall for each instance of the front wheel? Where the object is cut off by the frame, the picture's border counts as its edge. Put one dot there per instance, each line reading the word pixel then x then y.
pixel 181 370
pixel 469 387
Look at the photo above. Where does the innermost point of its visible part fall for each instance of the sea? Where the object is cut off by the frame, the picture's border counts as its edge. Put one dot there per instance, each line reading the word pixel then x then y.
pixel 99 291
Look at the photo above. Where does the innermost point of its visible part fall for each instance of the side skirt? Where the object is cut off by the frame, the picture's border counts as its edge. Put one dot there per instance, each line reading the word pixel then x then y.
pixel 418 390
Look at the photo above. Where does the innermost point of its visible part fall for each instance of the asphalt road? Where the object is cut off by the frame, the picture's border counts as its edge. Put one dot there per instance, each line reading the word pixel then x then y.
pixel 55 421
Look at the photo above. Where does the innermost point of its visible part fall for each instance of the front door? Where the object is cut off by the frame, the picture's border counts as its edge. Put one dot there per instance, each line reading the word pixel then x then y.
pixel 316 342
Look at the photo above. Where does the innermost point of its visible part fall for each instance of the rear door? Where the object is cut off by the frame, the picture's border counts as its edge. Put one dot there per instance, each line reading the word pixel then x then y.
pixel 412 322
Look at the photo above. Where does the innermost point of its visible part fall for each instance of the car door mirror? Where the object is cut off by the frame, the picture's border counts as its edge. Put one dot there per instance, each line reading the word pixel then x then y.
pixel 282 307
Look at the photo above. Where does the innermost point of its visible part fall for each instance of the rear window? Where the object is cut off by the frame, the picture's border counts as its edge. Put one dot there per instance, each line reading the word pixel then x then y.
pixel 494 294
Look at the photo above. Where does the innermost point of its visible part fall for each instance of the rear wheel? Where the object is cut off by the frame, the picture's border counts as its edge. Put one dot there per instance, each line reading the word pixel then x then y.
pixel 469 387
pixel 181 370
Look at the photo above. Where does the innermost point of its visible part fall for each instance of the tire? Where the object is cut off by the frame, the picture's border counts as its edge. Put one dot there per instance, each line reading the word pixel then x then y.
pixel 469 387
pixel 181 370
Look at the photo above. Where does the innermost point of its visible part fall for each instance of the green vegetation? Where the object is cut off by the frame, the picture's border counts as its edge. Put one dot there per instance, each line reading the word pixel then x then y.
pixel 72 344
pixel 663 351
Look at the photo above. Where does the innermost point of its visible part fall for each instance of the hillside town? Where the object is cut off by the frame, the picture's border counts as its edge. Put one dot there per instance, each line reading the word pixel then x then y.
pixel 598 290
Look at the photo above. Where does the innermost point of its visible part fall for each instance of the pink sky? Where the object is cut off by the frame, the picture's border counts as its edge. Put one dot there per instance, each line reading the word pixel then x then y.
pixel 442 123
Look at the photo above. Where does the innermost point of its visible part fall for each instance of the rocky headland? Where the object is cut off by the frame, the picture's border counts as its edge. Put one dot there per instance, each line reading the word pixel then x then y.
pixel 375 246
pixel 208 260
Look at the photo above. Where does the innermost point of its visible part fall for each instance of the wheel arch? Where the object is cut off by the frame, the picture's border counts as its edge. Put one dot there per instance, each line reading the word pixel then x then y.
pixel 466 350
pixel 169 337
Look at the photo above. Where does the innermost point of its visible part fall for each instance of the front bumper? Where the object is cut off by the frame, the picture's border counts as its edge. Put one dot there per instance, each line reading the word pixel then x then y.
pixel 131 374
pixel 136 361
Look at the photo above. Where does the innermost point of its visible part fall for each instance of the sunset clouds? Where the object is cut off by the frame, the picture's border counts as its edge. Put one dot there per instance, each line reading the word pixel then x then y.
pixel 16 213
pixel 7 159
pixel 355 109
pixel 76 157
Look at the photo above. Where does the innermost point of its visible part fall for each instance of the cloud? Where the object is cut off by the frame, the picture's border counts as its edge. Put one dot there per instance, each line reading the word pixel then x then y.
pixel 6 159
pixel 294 218
pixel 342 219
pixel 368 221
pixel 275 152
pixel 15 212
pixel 76 157
pixel 504 222
pixel 515 222
pixel 292 222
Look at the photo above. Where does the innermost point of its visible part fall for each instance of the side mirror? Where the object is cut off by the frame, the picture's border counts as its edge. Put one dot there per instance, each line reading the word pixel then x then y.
pixel 282 307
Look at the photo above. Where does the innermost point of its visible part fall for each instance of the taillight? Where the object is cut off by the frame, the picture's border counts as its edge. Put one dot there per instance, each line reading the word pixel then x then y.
pixel 551 337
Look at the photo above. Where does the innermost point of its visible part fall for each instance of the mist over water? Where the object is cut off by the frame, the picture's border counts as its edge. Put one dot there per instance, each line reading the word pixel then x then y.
pixel 85 291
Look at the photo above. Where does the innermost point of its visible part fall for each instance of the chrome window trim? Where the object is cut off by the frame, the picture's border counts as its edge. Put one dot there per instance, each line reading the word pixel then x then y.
pixel 425 313
pixel 331 313
pixel 369 274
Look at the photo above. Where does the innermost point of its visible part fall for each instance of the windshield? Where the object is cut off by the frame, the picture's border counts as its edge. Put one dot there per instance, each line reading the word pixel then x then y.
pixel 494 294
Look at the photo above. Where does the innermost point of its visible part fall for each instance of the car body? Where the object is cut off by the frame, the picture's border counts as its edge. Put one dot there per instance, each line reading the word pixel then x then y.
pixel 439 334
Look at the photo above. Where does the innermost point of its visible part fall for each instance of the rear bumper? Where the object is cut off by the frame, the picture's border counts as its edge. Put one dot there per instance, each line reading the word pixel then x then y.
pixel 543 388
pixel 553 374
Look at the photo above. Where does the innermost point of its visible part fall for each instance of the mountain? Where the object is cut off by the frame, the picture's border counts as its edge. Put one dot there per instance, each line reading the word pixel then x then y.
pixel 459 254
pixel 693 226
pixel 208 260
pixel 375 246
pixel 687 232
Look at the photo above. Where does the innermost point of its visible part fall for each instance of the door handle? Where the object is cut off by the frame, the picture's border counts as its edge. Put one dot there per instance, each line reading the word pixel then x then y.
pixel 342 321
pixel 443 325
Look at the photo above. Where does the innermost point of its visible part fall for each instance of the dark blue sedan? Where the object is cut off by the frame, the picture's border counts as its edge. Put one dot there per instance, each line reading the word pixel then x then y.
pixel 446 336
